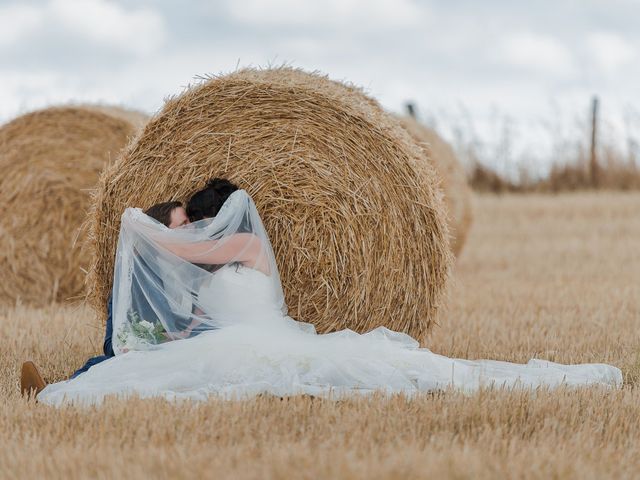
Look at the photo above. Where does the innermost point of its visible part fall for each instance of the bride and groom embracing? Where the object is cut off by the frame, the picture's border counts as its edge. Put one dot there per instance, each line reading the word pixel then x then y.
pixel 197 310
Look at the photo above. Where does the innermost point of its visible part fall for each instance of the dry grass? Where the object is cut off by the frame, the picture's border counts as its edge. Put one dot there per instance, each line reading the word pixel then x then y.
pixel 346 195
pixel 612 173
pixel 49 160
pixel 485 179
pixel 555 277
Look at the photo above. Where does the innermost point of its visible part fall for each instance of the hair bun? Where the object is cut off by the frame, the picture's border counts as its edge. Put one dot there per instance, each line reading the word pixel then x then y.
pixel 207 202
pixel 221 185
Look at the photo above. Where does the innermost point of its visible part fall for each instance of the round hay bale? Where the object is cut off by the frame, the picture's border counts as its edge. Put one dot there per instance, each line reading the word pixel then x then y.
pixel 50 160
pixel 133 117
pixel 354 214
pixel 457 193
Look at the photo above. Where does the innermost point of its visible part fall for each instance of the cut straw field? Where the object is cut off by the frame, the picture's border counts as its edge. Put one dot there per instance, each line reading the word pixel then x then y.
pixel 554 277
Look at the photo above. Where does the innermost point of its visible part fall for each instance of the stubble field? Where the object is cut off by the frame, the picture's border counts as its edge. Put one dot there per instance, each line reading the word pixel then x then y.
pixel 554 277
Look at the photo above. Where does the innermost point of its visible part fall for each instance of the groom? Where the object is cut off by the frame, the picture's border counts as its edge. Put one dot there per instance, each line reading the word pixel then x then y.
pixel 203 204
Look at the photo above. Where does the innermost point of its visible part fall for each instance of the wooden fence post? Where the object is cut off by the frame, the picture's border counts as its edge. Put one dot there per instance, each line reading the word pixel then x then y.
pixel 593 160
pixel 411 109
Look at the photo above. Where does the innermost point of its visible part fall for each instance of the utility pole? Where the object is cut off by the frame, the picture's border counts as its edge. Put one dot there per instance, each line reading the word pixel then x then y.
pixel 593 161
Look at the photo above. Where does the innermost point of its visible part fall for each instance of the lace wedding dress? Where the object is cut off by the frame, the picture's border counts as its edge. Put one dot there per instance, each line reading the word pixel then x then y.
pixel 247 345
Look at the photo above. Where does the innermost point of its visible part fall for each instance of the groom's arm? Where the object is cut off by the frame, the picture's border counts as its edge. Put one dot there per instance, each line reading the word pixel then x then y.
pixel 107 346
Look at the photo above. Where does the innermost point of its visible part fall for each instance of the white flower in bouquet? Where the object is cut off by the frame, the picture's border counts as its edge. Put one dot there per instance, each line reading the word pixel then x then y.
pixel 139 334
pixel 148 325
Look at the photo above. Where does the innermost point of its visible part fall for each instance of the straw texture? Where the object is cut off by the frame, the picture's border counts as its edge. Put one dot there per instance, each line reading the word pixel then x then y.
pixel 353 211
pixel 453 180
pixel 50 160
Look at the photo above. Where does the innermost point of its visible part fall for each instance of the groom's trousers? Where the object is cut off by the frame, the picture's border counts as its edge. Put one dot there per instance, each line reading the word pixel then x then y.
pixel 107 347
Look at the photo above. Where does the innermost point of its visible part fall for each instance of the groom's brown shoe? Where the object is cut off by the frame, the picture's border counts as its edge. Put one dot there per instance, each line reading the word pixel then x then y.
pixel 31 382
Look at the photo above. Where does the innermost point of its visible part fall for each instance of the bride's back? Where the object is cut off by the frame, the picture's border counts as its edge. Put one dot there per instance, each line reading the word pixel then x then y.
pixel 236 293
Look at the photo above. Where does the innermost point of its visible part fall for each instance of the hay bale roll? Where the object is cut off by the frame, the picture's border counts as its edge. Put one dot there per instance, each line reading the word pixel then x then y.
pixel 353 211
pixel 134 118
pixel 457 194
pixel 50 160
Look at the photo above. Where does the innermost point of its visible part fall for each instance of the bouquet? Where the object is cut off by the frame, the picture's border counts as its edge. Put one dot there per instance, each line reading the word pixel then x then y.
pixel 138 332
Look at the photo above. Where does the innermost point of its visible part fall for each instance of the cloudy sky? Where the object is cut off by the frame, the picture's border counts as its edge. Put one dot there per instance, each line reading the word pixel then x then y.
pixel 493 65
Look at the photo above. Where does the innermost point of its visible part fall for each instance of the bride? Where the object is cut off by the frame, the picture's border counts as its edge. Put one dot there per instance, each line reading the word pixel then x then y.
pixel 219 326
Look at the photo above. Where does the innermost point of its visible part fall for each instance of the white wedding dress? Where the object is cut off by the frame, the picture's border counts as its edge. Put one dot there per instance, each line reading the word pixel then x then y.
pixel 250 346
pixel 270 353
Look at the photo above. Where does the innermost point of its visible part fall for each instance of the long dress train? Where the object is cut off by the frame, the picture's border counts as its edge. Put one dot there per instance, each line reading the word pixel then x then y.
pixel 271 353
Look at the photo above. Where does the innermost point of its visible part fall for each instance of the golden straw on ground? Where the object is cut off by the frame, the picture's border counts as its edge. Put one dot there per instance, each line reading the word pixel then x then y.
pixel 457 194
pixel 353 211
pixel 50 159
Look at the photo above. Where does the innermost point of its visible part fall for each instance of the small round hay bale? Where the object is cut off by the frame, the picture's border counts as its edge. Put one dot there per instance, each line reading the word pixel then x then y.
pixel 50 160
pixel 354 214
pixel 457 194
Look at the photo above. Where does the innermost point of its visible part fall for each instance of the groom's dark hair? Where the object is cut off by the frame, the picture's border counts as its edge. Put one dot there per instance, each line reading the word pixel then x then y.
pixel 162 211
pixel 207 202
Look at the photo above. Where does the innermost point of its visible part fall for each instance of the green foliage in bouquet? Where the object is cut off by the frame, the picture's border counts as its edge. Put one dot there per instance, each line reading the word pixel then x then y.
pixel 151 332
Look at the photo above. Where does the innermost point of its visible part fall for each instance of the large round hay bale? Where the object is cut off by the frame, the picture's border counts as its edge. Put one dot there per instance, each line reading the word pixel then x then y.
pixel 354 214
pixel 453 179
pixel 50 160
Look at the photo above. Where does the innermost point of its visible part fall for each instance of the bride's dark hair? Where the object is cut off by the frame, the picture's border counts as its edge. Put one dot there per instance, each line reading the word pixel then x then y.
pixel 207 202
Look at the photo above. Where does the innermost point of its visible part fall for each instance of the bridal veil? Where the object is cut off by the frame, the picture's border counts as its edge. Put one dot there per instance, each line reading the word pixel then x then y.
pixel 162 275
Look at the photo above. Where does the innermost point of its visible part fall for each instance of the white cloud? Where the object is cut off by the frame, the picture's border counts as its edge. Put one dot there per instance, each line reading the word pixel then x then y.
pixel 102 22
pixel 18 22
pixel 357 14
pixel 26 91
pixel 610 51
pixel 108 23
pixel 488 55
pixel 536 52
